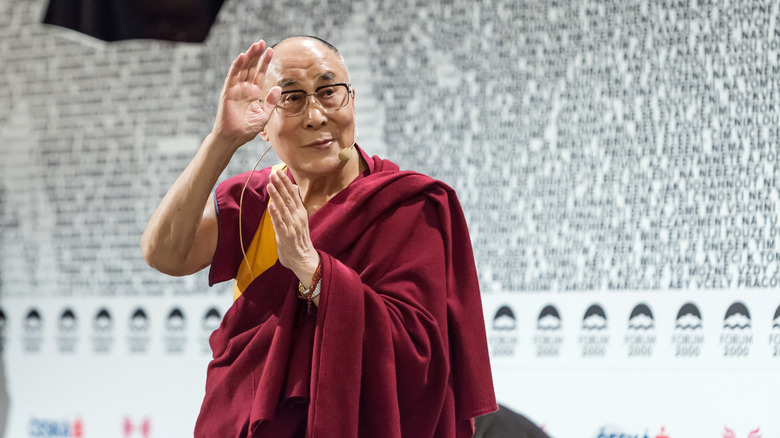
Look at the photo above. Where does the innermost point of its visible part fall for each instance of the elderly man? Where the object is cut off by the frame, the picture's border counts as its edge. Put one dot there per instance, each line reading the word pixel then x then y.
pixel 357 308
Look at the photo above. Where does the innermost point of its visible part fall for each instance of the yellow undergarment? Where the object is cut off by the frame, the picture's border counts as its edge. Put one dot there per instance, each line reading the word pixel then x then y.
pixel 261 254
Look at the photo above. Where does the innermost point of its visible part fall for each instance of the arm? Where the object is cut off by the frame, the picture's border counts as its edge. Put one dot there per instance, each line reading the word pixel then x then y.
pixel 182 234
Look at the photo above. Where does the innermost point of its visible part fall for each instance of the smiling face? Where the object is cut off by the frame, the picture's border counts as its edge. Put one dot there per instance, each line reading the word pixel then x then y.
pixel 309 143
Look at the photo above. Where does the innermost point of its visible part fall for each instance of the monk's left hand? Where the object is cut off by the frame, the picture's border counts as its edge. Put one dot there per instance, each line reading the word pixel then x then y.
pixel 291 224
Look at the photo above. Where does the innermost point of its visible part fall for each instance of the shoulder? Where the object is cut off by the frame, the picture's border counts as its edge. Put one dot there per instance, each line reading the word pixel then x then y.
pixel 410 183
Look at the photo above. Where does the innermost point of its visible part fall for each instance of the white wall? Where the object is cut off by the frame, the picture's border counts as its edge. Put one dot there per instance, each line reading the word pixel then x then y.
pixel 613 153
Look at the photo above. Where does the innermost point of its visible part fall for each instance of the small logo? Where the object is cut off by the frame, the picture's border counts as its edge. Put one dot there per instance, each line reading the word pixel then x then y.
pixel 138 337
pixel 503 342
pixel 175 337
pixel 641 338
pixel 609 432
pixel 102 332
pixel 595 319
pixel 143 429
pixel 594 337
pixel 2 330
pixel 774 336
pixel 67 335
pixel 175 321
pixel 38 427
pixel 689 317
pixel 32 331
pixel 504 319
pixel 102 322
pixel 730 433
pixel 737 336
pixel 688 337
pixel 211 321
pixel 549 338
pixel 33 322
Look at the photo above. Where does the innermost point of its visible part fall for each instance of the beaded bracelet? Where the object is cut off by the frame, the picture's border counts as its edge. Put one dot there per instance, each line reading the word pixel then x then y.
pixel 313 290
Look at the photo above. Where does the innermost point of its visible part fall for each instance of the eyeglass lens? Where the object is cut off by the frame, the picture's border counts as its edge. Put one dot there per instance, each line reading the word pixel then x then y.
pixel 329 97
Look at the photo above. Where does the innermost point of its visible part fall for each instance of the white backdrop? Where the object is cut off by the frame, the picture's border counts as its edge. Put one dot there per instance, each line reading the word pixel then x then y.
pixel 617 161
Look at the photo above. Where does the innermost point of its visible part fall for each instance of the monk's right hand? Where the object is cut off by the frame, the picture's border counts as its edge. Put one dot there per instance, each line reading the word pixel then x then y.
pixel 243 111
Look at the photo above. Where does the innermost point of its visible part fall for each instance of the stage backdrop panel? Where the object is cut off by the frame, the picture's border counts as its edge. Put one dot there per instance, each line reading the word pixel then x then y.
pixel 617 162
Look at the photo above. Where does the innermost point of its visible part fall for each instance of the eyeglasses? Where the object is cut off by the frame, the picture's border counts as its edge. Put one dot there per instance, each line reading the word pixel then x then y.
pixel 328 97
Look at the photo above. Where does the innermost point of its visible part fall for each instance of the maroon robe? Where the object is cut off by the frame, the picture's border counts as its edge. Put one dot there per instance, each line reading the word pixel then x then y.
pixel 397 346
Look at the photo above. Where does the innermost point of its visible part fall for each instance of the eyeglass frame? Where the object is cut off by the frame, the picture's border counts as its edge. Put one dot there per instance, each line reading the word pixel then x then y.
pixel 316 100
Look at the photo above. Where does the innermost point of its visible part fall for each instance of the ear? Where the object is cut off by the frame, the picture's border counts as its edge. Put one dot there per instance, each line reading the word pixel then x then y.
pixel 264 135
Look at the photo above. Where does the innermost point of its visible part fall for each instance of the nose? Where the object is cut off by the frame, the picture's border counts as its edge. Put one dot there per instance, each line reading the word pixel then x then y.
pixel 314 115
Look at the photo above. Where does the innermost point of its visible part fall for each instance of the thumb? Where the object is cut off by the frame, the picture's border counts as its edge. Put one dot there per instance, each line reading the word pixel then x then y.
pixel 272 98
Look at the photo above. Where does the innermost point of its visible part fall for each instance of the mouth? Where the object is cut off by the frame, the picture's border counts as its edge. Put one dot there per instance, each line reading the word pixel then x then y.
pixel 321 144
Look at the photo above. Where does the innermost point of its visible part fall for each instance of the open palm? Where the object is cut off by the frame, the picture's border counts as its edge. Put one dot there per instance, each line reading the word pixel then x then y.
pixel 243 111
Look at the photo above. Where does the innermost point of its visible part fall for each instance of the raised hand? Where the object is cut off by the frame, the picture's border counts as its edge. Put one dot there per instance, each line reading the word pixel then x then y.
pixel 241 115
pixel 291 224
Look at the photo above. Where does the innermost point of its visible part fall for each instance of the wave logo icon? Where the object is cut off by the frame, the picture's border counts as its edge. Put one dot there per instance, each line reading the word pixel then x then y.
pixel 594 337
pixel 689 317
pixel 774 336
pixel 175 338
pixel 102 332
pixel 139 322
pixel 640 338
pixel 737 336
pixel 138 334
pixel 211 322
pixel 505 319
pixel 33 331
pixel 548 339
pixel 68 331
pixel 641 318
pixel 595 319
pixel 3 329
pixel 549 319
pixel 688 338
pixel 737 317
pixel 503 341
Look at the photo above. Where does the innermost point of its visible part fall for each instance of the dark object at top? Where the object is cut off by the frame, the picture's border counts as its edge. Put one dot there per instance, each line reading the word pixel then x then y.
pixel 114 20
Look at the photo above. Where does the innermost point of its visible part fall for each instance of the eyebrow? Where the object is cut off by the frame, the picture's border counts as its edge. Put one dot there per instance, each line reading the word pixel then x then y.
pixel 288 82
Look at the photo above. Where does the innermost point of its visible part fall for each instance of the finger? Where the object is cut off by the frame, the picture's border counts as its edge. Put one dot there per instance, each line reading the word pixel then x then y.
pixel 245 65
pixel 254 54
pixel 294 190
pixel 275 209
pixel 281 204
pixel 262 69
pixel 235 69
pixel 285 193
pixel 271 99
pixel 276 220
pixel 290 191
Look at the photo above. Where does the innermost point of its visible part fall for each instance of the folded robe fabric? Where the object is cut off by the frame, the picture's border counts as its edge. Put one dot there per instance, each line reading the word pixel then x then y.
pixel 397 346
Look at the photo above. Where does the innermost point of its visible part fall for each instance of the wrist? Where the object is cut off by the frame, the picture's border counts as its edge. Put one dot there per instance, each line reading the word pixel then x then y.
pixel 222 142
pixel 306 271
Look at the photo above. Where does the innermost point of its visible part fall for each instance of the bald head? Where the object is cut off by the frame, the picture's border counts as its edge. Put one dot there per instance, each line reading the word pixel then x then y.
pixel 330 46
pixel 302 53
